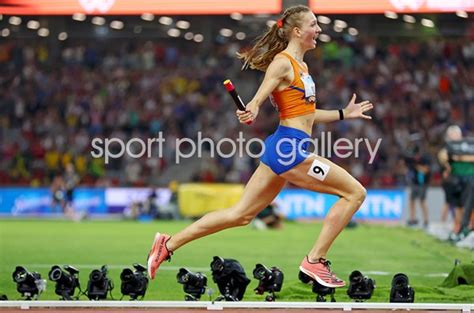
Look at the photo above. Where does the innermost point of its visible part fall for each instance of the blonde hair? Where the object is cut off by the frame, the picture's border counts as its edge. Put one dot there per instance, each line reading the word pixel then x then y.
pixel 273 41
pixel 453 132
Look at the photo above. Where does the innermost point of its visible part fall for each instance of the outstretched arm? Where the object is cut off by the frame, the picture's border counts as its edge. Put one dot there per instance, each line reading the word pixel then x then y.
pixel 352 110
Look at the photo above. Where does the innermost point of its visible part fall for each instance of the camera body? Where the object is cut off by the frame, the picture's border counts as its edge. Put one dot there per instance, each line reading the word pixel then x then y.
pixel 360 287
pixel 66 281
pixel 29 284
pixel 99 284
pixel 320 290
pixel 194 284
pixel 230 277
pixel 401 291
pixel 134 283
pixel 270 280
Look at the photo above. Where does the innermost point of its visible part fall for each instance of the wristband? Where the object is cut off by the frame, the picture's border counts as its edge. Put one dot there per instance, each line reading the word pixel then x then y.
pixel 341 114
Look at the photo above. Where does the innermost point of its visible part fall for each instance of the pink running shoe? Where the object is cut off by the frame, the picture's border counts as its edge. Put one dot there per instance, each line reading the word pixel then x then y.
pixel 321 272
pixel 158 253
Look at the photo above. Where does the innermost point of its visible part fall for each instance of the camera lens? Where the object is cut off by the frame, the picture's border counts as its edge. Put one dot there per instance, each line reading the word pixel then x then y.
pixel 127 275
pixel 400 281
pixel 217 264
pixel 19 275
pixel 96 275
pixel 356 277
pixel 259 273
pixel 55 273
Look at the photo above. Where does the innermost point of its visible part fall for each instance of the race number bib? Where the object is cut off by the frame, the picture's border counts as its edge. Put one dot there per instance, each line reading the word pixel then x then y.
pixel 309 87
pixel 318 170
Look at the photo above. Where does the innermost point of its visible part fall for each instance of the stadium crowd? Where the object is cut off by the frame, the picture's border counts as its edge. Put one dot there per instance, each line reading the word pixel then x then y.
pixel 56 97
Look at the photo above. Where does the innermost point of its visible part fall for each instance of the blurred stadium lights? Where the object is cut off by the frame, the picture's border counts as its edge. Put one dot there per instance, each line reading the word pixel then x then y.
pixel 62 36
pixel 116 25
pixel 198 38
pixel 338 29
pixel 14 20
pixel 236 16
pixel 80 17
pixel 183 24
pixel 324 38
pixel 98 20
pixel 340 23
pixel 174 32
pixel 462 14
pixel 427 22
pixel 250 25
pixel 33 24
pixel 409 19
pixel 270 23
pixel 322 19
pixel 147 17
pixel 5 32
pixel 189 36
pixel 240 35
pixel 225 32
pixel 391 15
pixel 353 31
pixel 43 32
pixel 165 20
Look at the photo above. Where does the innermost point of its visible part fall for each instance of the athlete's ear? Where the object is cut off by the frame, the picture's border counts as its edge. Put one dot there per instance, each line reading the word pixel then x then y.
pixel 298 32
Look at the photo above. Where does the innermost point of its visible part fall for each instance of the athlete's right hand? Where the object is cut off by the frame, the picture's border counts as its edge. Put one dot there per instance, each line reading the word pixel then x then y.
pixel 249 115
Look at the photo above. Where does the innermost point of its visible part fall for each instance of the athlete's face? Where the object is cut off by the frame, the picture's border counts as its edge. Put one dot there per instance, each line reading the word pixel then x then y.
pixel 309 30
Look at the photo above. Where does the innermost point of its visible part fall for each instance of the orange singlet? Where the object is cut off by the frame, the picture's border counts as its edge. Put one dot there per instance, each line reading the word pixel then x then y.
pixel 300 97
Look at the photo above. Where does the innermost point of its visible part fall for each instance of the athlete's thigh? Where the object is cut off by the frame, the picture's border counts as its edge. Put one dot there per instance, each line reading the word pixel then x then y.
pixel 321 175
pixel 261 189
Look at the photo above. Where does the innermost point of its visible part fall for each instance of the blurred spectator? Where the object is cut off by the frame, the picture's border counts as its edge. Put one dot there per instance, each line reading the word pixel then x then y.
pixel 419 165
pixel 53 104
pixel 71 180
pixel 58 194
pixel 269 217
pixel 452 184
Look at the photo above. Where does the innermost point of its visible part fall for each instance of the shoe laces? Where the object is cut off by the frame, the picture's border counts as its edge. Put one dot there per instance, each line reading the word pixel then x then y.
pixel 325 262
pixel 327 265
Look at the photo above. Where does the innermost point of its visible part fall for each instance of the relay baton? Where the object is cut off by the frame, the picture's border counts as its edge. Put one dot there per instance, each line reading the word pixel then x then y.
pixel 235 96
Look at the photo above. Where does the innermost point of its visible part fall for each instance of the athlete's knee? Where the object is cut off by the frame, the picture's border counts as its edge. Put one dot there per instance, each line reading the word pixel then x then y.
pixel 357 194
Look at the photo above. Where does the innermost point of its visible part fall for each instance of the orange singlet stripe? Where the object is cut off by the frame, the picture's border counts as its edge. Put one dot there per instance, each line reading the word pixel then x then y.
pixel 297 99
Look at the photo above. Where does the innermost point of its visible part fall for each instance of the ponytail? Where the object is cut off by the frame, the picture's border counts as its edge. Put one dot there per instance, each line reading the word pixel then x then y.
pixel 274 41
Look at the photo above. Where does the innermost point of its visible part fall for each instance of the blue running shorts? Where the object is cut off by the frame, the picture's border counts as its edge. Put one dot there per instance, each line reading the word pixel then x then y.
pixel 285 148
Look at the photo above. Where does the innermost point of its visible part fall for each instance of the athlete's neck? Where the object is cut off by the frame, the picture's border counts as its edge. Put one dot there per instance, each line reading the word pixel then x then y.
pixel 295 51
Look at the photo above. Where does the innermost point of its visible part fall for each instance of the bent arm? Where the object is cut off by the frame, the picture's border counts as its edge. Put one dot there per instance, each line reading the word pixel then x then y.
pixel 275 74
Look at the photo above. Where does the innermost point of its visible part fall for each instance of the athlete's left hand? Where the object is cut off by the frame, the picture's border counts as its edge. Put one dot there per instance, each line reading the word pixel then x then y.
pixel 357 109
